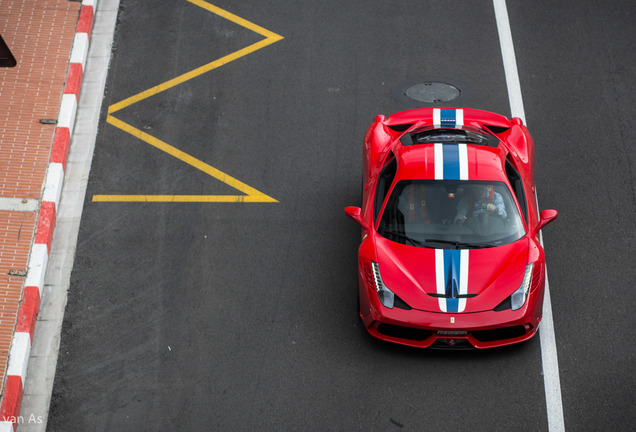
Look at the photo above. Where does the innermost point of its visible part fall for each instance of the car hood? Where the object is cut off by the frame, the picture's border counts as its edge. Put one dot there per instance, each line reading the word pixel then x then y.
pixel 448 280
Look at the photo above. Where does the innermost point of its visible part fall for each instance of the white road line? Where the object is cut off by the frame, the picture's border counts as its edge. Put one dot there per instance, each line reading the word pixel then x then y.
pixel 550 363
pixel 549 358
pixel 509 60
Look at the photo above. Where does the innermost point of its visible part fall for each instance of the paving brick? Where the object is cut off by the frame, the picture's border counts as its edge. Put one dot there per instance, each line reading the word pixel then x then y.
pixel 40 35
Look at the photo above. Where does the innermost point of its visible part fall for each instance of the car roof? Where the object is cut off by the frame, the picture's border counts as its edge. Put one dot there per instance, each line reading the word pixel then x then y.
pixel 422 161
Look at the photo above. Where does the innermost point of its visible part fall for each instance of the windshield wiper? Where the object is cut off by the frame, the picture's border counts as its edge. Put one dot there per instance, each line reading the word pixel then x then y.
pixel 405 237
pixel 450 242
pixel 459 244
pixel 478 245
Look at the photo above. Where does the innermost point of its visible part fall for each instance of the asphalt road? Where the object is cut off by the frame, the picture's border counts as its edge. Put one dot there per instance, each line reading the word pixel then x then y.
pixel 241 315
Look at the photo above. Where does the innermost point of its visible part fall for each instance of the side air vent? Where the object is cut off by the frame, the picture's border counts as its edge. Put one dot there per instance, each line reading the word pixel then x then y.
pixel 400 128
pixel 496 129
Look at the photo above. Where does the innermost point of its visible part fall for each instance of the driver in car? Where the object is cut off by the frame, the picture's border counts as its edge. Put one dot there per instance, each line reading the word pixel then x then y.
pixel 480 200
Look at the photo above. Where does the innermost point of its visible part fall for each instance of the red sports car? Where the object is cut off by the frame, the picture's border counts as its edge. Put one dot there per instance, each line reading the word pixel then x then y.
pixel 450 254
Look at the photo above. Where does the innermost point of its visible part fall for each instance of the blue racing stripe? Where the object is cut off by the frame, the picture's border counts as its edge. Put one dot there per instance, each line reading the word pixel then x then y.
pixel 448 117
pixel 451 162
pixel 452 269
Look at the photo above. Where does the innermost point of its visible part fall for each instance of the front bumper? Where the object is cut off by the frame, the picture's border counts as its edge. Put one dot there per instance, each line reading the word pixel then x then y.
pixel 423 329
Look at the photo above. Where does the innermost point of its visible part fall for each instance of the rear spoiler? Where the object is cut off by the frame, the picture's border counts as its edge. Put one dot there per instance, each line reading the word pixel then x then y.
pixel 404 120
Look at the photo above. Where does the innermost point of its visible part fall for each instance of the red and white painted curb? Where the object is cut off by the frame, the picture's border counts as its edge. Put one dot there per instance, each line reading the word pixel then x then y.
pixel 38 259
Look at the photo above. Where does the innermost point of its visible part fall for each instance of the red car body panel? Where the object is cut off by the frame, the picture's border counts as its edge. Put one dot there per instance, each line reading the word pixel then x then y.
pixel 411 272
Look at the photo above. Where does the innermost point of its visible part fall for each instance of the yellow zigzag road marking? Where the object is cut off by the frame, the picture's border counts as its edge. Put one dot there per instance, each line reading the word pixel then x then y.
pixel 270 38
pixel 251 194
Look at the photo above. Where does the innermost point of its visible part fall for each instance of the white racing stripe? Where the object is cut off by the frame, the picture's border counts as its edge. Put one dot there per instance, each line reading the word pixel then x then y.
pixel 463 161
pixel 440 280
pixel 437 122
pixel 463 280
pixel 439 161
pixel 459 118
pixel 549 360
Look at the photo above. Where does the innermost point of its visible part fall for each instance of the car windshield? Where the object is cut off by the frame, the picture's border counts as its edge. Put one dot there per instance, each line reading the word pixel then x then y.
pixel 451 214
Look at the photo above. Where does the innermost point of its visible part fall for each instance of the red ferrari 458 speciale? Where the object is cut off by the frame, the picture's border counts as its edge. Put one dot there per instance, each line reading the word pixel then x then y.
pixel 450 254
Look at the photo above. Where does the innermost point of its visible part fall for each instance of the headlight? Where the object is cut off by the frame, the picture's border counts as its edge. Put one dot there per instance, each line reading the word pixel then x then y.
pixel 518 298
pixel 385 295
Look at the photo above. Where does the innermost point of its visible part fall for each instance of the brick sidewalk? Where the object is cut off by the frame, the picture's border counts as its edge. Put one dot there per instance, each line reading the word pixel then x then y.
pixel 40 35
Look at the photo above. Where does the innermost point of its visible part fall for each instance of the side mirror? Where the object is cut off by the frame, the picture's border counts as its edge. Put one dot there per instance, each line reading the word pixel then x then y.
pixel 355 213
pixel 547 216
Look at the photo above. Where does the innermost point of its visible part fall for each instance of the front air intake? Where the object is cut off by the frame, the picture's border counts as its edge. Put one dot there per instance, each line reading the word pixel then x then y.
pixel 401 332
